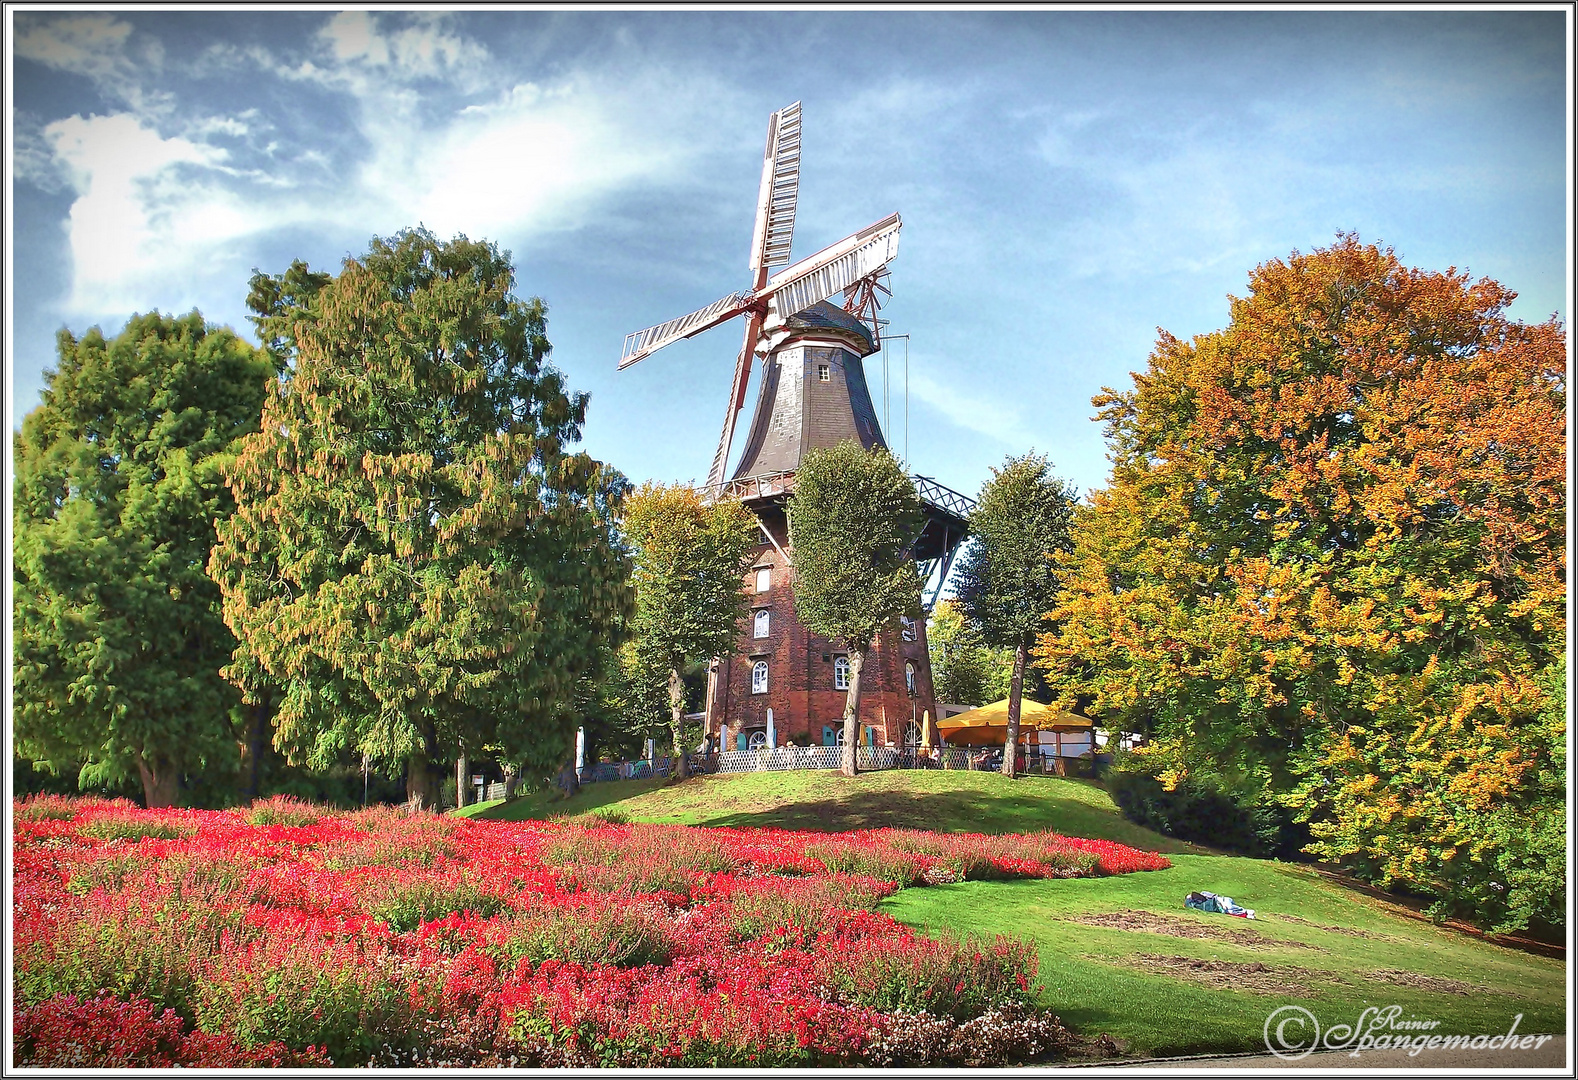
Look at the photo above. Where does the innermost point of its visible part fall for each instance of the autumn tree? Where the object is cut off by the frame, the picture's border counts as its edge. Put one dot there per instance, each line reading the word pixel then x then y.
pixel 1008 581
pixel 965 670
pixel 1330 566
pixel 118 633
pixel 853 517
pixel 419 565
pixel 690 562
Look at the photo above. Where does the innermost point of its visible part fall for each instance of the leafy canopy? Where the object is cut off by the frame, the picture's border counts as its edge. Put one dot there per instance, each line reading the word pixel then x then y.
pixel 853 517
pixel 418 556
pixel 1007 580
pixel 964 669
pixel 690 561
pixel 119 637
pixel 1330 564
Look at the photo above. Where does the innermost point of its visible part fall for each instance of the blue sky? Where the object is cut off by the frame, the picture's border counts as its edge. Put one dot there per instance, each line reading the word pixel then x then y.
pixel 1069 181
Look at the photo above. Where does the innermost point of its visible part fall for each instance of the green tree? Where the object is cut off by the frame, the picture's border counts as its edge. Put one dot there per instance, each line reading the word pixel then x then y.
pixel 1008 579
pixel 853 518
pixel 690 562
pixel 418 560
pixel 119 638
pixel 1329 567
pixel 965 670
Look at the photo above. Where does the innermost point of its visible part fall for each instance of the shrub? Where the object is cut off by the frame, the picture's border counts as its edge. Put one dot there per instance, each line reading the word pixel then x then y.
pixel 593 930
pixel 763 905
pixel 68 1032
pixel 1198 811
pixel 44 808
pixel 342 996
pixel 282 810
pixel 944 977
pixel 126 827
pixel 405 903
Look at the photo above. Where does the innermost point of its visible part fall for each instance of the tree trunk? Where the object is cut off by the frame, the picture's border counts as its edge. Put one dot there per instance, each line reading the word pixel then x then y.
pixel 460 780
pixel 257 745
pixel 161 782
pixel 857 660
pixel 569 781
pixel 422 771
pixel 676 708
pixel 512 777
pixel 1015 687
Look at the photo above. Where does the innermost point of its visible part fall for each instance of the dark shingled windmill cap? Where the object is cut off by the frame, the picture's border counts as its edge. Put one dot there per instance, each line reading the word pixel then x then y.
pixel 824 316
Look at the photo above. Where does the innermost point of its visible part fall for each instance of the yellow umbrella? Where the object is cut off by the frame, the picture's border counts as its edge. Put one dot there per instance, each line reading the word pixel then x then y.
pixel 988 725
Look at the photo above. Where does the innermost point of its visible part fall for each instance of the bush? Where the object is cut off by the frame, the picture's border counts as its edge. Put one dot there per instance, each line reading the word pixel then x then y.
pixel 949 977
pixel 136 828
pixel 282 810
pixel 597 930
pixel 1198 811
pixel 406 904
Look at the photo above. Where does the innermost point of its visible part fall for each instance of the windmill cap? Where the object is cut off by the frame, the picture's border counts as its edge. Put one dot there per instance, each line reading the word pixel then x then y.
pixel 823 316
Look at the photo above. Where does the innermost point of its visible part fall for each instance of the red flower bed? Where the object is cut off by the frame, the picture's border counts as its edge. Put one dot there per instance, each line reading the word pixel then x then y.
pixel 291 935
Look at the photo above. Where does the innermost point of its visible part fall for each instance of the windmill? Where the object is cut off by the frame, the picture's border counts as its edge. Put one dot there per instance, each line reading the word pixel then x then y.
pixel 783 682
pixel 855 266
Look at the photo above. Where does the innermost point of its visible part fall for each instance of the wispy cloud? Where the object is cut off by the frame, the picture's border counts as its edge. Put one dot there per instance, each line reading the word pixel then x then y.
pixel 160 193
pixel 971 409
pixel 101 47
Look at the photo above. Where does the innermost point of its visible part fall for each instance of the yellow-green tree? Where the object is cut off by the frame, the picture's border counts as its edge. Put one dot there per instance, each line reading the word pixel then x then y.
pixel 690 561
pixel 853 517
pixel 1007 581
pixel 1330 565
pixel 419 565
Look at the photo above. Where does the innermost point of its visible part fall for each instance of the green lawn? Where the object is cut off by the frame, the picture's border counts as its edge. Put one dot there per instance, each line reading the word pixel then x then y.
pixel 1094 976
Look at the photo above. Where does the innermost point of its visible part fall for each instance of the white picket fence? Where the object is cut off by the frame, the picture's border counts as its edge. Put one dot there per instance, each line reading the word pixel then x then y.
pixel 867 759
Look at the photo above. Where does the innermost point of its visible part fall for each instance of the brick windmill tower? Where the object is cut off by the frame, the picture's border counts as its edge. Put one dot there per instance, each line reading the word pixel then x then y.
pixel 785 684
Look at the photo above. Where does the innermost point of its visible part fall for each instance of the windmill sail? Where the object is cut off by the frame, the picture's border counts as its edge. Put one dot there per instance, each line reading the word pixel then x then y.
pixel 833 269
pixel 643 343
pixel 742 373
pixel 780 190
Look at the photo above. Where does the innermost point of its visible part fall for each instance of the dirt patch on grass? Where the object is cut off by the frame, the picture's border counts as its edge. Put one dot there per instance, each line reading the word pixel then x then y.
pixel 1435 984
pixel 1238 932
pixel 1349 931
pixel 1256 977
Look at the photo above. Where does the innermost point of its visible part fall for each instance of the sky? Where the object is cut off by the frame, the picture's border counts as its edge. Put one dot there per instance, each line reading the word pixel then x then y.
pixel 1070 181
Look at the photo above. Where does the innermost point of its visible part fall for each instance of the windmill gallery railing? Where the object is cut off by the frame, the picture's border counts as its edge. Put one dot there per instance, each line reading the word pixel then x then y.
pixel 781 483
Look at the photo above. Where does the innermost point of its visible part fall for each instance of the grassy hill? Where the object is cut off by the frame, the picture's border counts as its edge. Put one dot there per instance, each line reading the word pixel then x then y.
pixel 1122 955
pixel 942 801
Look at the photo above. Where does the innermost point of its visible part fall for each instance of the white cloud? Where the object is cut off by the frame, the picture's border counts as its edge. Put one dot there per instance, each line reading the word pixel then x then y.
pixel 130 218
pixel 164 201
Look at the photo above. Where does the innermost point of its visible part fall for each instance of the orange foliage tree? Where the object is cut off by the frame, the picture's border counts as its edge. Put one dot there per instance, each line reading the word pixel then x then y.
pixel 1330 568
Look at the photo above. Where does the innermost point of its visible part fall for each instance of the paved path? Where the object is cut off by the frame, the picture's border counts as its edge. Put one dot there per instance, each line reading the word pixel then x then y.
pixel 1553 1055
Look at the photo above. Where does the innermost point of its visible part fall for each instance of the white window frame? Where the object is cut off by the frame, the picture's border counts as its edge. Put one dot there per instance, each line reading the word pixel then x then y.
pixel 909 677
pixel 906 628
pixel 824 373
pixel 764 579
pixel 761 623
pixel 841 673
pixel 759 677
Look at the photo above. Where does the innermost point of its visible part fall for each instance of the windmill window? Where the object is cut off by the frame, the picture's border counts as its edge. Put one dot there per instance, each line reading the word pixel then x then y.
pixel 841 673
pixel 824 373
pixel 764 580
pixel 759 677
pixel 909 678
pixel 906 628
pixel 761 619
